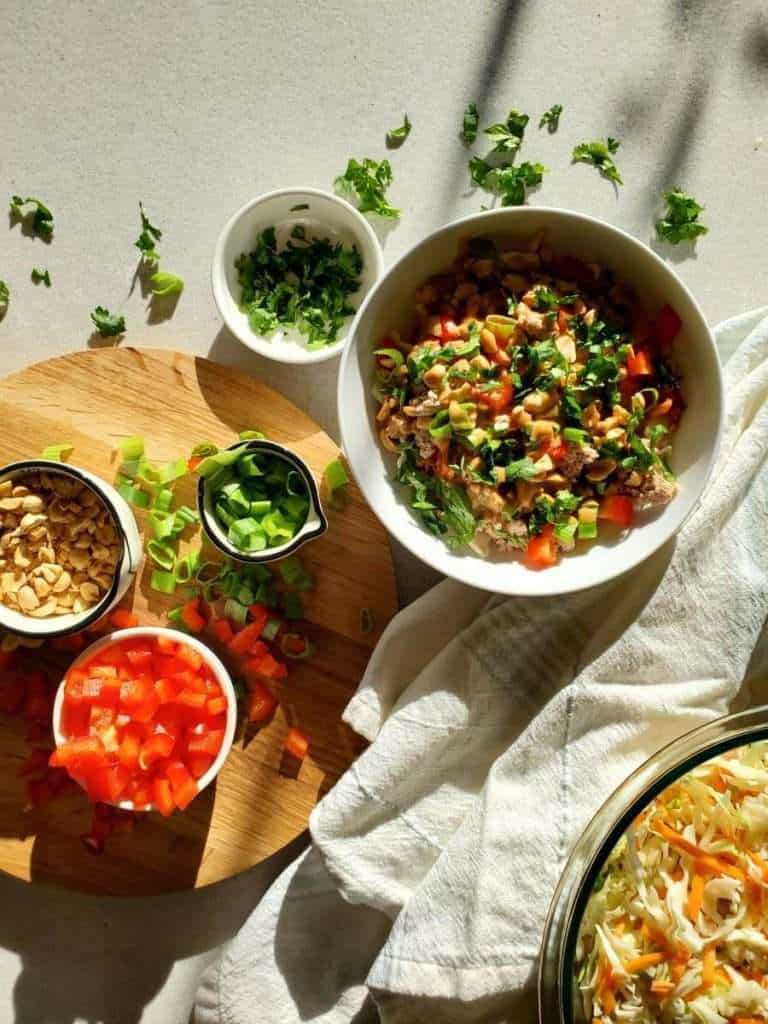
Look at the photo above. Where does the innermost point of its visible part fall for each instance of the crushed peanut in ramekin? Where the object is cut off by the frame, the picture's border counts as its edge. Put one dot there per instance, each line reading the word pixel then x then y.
pixel 58 545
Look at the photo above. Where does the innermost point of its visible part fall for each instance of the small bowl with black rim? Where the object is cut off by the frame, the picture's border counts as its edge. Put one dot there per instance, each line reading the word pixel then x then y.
pixel 258 501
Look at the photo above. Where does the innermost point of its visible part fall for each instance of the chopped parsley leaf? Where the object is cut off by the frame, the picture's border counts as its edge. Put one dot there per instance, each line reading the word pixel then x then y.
pixel 150 234
pixel 107 324
pixel 305 285
pixel 368 182
pixel 469 124
pixel 165 283
pixel 680 222
pixel 397 136
pixel 551 118
pixel 507 136
pixel 600 155
pixel 42 218
pixel 545 298
pixel 39 274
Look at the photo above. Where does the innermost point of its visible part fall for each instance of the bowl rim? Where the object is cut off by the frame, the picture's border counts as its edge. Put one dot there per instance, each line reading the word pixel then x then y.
pixel 650 778
pixel 87 479
pixel 221 290
pixel 268 554
pixel 213 661
pixel 411 543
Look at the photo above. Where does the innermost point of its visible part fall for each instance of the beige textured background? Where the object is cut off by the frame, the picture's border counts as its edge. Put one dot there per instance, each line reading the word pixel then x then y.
pixel 196 107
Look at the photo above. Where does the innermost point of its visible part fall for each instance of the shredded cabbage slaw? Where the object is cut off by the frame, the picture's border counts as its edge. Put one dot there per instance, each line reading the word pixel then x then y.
pixel 676 930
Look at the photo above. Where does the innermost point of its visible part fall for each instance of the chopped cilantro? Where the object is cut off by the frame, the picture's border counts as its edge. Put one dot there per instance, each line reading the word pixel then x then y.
pixel 106 323
pixel 551 118
pixel 368 182
pixel 457 513
pixel 469 124
pixel 39 274
pixel 680 222
pixel 600 155
pixel 305 285
pixel 397 136
pixel 570 409
pixel 507 136
pixel 5 294
pixel 150 234
pixel 513 183
pixel 42 218
pixel 545 298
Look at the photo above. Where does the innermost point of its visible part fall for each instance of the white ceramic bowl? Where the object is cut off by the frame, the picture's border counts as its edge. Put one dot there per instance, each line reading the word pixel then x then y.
pixel 695 443
pixel 314 525
pixel 128 563
pixel 223 678
pixel 327 216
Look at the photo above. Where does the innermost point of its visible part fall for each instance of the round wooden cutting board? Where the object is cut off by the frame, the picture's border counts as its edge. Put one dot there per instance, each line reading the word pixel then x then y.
pixel 261 801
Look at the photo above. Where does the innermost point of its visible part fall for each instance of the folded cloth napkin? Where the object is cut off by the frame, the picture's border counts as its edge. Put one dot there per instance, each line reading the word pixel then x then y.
pixel 497 727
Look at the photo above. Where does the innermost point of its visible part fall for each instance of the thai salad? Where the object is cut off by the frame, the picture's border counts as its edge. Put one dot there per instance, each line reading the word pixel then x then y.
pixel 533 401
pixel 676 929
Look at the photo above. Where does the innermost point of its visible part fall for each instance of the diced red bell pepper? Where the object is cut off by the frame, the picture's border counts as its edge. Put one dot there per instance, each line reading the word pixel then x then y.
pixel 261 702
pixel 146 712
pixel 542 549
pixel 81 752
pixel 139 658
pixel 617 508
pixel 640 365
pixel 449 330
pixel 135 692
pixel 268 666
pixel 101 719
pixel 562 321
pixel 183 786
pixel 122 618
pixel 107 783
pixel 206 743
pixel 501 397
pixel 216 705
pixel 198 764
pixel 162 797
pixel 296 744
pixel 130 745
pixel 242 641
pixel 166 690
pixel 140 793
pixel 191 617
pixel 165 644
pixel 192 659
pixel 75 719
pixel 667 325
pixel 222 630
pixel 191 701
pixel 156 747
pixel 189 680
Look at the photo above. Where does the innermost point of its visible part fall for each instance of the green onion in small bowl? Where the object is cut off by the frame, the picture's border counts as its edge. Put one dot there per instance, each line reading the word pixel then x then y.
pixel 258 501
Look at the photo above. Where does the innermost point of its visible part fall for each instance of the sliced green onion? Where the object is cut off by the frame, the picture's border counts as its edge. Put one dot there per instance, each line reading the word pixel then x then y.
pixel 276 526
pixel 162 554
pixel 284 646
pixel 208 572
pixel 235 612
pixel 294 573
pixel 163 500
pixel 270 630
pixel 587 531
pixel 173 471
pixel 295 508
pixel 202 451
pixel 132 449
pixel 148 474
pixel 213 463
pixel 248 466
pixel 335 475
pixel 391 353
pixel 186 567
pixel 183 517
pixel 294 484
pixel 133 495
pixel 260 508
pixel 575 435
pixel 565 532
pixel 265 594
pixel 163 582
pixel 252 435
pixel 293 606
pixel 245 595
pixel 57 452
pixel 174 616
pixel 162 524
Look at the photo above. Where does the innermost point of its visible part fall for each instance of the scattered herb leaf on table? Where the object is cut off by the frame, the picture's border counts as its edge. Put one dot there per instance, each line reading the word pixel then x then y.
pixel 680 222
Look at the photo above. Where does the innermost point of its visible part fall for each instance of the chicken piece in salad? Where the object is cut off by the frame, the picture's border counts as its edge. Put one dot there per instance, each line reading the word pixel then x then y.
pixel 533 402
pixel 676 929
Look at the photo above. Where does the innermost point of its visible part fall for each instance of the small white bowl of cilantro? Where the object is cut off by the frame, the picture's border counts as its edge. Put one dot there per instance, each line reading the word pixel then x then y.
pixel 290 270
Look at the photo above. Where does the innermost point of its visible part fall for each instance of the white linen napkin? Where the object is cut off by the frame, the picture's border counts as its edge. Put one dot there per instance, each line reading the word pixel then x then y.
pixel 498 727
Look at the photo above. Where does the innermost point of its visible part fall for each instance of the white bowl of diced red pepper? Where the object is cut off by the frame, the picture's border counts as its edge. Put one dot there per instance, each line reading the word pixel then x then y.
pixel 144 719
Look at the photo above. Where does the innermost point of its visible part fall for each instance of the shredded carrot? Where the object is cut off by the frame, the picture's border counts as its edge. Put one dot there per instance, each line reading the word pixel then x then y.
pixel 695 898
pixel 759 862
pixel 717 781
pixel 662 988
pixel 708 965
pixel 639 963
pixel 676 873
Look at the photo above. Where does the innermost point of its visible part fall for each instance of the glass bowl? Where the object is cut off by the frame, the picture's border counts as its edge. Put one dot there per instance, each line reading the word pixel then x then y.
pixel 558 1002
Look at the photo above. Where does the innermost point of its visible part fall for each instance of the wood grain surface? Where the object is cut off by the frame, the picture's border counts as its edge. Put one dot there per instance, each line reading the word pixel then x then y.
pixel 261 801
